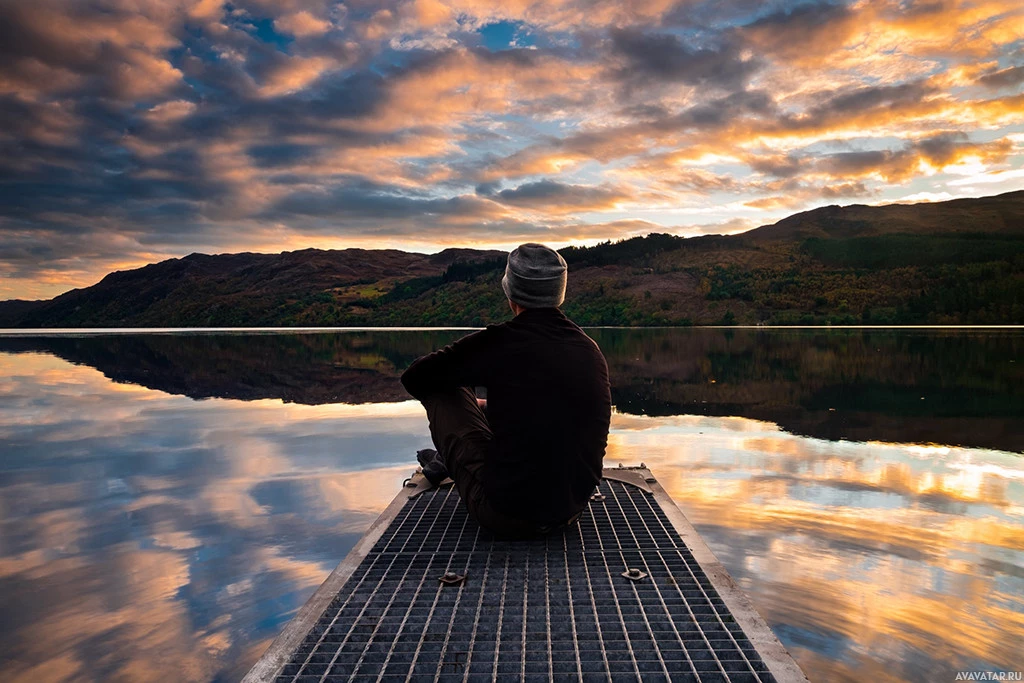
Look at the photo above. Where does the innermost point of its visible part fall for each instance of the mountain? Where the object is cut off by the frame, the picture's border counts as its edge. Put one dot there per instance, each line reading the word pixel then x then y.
pixel 229 289
pixel 955 262
pixel 1001 214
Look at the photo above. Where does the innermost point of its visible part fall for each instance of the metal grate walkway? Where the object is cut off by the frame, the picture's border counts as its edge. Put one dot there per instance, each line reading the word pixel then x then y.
pixel 561 608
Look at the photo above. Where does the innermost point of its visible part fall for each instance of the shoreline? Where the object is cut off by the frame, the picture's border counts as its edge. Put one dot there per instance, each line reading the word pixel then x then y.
pixel 70 331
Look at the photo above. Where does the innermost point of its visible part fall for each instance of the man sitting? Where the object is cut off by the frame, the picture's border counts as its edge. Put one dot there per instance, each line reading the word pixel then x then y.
pixel 529 465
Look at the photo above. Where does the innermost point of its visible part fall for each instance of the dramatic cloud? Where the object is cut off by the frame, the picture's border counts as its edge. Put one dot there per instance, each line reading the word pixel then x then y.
pixel 1004 78
pixel 935 152
pixel 550 195
pixel 664 56
pixel 133 132
pixel 805 33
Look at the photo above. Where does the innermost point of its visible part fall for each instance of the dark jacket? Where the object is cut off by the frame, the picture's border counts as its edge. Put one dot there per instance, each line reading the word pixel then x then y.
pixel 548 404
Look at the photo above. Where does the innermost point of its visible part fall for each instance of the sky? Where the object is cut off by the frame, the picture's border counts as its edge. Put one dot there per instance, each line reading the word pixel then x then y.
pixel 132 131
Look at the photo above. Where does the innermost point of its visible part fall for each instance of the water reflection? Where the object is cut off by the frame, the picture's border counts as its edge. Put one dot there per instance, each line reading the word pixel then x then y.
pixel 871 561
pixel 146 535
pixel 951 387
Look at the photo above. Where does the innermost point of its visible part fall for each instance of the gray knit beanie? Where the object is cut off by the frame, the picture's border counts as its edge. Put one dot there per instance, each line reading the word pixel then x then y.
pixel 535 276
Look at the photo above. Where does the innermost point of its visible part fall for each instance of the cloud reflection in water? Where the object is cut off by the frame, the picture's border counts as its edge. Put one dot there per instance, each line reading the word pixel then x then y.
pixel 872 561
pixel 149 535
pixel 146 535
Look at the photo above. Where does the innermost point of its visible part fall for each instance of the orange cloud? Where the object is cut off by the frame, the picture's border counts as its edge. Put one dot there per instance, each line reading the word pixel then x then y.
pixel 302 24
pixel 121 52
pixel 294 73
pixel 462 85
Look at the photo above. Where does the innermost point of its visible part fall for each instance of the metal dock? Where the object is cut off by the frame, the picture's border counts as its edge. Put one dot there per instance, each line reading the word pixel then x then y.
pixel 631 593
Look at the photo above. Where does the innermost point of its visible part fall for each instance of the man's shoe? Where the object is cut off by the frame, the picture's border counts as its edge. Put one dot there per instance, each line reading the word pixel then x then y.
pixel 433 466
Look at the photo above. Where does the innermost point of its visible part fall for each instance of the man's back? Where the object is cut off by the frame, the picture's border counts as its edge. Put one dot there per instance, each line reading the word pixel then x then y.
pixel 548 405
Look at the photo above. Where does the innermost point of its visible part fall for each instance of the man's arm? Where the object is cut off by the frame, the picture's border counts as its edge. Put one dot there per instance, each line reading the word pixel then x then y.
pixel 462 364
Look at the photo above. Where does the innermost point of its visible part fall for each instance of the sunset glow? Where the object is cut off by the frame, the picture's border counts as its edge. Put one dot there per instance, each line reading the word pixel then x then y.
pixel 132 132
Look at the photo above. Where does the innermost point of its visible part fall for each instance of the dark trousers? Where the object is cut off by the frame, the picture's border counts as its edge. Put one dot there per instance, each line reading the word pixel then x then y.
pixel 464 439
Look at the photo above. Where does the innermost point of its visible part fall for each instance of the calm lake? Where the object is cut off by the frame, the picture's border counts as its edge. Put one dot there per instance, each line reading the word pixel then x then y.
pixel 170 500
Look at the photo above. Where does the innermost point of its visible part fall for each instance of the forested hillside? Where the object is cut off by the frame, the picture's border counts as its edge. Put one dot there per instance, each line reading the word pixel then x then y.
pixel 958 262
